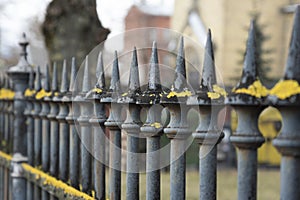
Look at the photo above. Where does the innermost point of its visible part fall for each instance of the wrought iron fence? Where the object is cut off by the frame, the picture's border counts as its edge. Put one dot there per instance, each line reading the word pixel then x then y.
pixel 44 156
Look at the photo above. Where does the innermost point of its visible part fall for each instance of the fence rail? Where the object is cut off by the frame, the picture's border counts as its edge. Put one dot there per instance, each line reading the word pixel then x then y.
pixel 44 156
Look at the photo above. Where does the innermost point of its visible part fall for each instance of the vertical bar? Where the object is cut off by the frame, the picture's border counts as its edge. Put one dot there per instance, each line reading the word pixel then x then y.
pixel 132 179
pixel 30 129
pixel 74 111
pixel 247 174
pixel 37 131
pixel 152 168
pixel 115 160
pixel 86 111
pixel 19 75
pixel 64 140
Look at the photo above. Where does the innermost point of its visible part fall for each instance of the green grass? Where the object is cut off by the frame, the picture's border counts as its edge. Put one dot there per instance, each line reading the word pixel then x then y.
pixel 267 188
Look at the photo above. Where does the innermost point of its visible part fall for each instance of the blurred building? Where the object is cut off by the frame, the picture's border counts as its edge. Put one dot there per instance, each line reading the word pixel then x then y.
pixel 229 20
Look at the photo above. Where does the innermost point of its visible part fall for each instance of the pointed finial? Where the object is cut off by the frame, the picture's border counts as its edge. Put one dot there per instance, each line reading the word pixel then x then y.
pixel 24 43
pixel 37 83
pixel 208 73
pixel 47 80
pixel 250 68
pixel 73 85
pixel 115 76
pixel 86 84
pixel 31 79
pixel 180 75
pixel 292 69
pixel 64 87
pixel 154 76
pixel 134 81
pixel 54 86
pixel 100 72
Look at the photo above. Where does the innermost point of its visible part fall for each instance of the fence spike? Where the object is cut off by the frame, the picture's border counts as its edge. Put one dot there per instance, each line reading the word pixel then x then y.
pixel 249 74
pixel 64 78
pixel 100 72
pixel 86 84
pixel 54 86
pixel 73 84
pixel 208 73
pixel 37 84
pixel 180 75
pixel 154 76
pixel 47 79
pixel 134 82
pixel 292 70
pixel 115 77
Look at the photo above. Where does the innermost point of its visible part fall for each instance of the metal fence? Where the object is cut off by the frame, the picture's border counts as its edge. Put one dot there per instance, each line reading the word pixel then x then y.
pixel 44 156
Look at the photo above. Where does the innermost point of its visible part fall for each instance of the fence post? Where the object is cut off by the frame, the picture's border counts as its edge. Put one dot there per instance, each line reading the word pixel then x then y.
pixel 54 126
pixel 99 136
pixel 63 158
pixel 19 74
pixel 284 98
pixel 210 99
pixel 42 95
pixel 132 126
pixel 29 94
pixel 152 129
pixel 74 137
pixel 86 109
pixel 248 104
pixel 113 123
pixel 177 130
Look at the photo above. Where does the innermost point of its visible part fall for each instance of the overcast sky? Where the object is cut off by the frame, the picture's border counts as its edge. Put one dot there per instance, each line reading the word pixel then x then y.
pixel 18 16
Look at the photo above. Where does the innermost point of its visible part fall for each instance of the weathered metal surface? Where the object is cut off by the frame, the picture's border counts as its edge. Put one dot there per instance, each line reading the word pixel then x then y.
pixel 177 130
pixel 54 126
pixel 86 110
pixel 152 128
pixel 63 158
pixel 98 130
pixel 248 103
pixel 286 100
pixel 113 123
pixel 74 111
pixel 132 126
pixel 210 99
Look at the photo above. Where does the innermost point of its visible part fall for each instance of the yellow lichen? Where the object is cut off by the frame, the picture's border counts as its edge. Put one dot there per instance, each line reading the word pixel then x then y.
pixel 42 93
pixel 217 92
pixel 6 94
pixel 5 156
pixel 256 89
pixel 124 94
pixel 184 93
pixel 285 88
pixel 49 180
pixel 97 90
pixel 56 94
pixel 28 92
pixel 156 125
